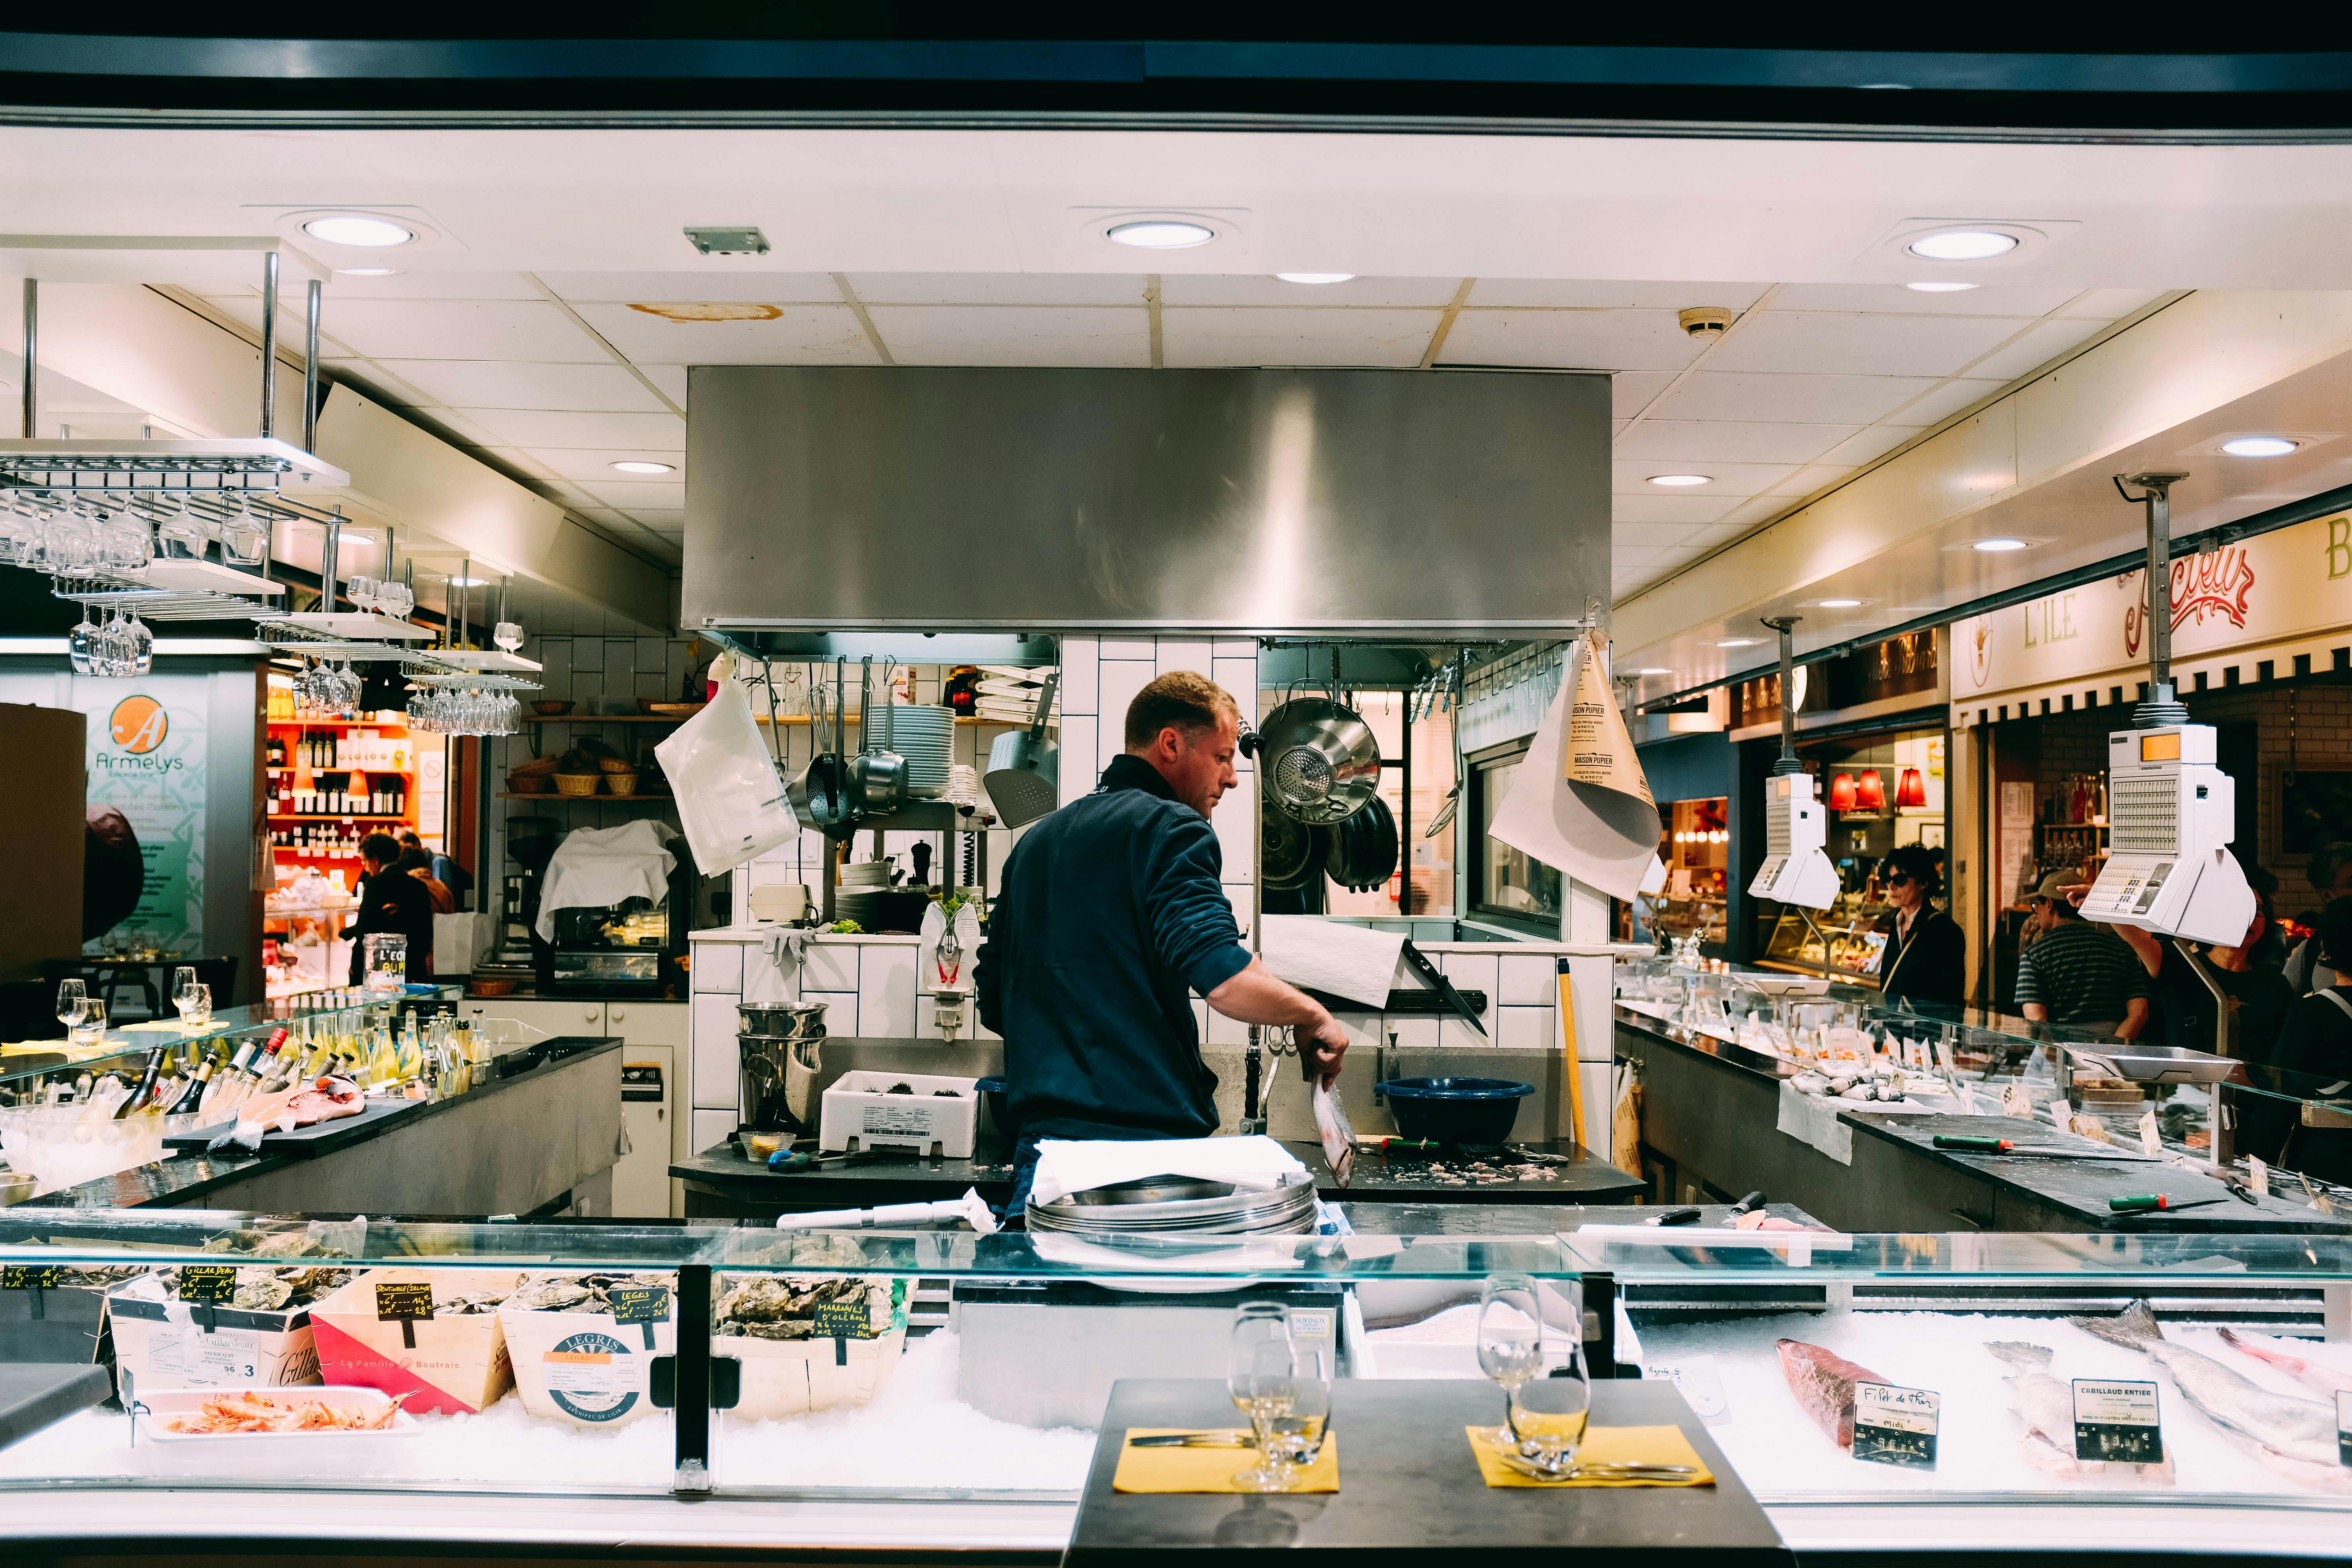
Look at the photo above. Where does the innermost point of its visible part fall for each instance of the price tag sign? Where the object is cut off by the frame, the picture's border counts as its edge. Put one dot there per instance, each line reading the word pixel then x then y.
pixel 2015 1102
pixel 2116 1422
pixel 644 1305
pixel 211 1283
pixel 32 1277
pixel 844 1320
pixel 2151 1142
pixel 404 1302
pixel 2258 1177
pixel 1895 1426
pixel 2344 1425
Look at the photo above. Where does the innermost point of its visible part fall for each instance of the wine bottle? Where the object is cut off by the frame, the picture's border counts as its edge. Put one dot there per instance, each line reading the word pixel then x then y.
pixel 229 1084
pixel 272 1067
pixel 146 1085
pixel 191 1098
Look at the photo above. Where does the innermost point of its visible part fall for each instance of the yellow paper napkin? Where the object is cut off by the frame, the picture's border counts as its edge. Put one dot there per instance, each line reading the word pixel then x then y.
pixel 1603 1445
pixel 1208 1470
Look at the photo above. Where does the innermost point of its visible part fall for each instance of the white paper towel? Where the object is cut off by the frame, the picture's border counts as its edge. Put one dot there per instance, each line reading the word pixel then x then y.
pixel 1067 1166
pixel 1354 961
pixel 1602 837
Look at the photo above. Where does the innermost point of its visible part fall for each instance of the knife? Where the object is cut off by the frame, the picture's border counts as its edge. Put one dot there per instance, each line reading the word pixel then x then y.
pixel 1225 1439
pixel 1972 1144
pixel 1418 961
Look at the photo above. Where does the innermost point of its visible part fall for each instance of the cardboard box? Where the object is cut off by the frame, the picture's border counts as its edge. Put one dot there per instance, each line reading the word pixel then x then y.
pixel 384 1330
pixel 856 1115
pixel 164 1343
pixel 796 1377
pixel 591 1369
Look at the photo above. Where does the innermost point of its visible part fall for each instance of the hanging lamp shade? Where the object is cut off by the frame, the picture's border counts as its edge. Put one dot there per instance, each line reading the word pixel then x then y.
pixel 1842 793
pixel 1871 790
pixel 1912 793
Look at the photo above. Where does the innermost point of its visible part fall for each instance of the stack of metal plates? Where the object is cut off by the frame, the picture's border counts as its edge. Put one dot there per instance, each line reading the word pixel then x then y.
pixel 1164 1204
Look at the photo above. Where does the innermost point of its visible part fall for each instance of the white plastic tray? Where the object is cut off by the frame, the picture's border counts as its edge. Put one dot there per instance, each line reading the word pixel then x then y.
pixel 161 1405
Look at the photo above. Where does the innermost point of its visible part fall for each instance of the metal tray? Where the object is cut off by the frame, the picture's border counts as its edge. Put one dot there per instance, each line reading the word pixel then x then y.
pixel 2156 1064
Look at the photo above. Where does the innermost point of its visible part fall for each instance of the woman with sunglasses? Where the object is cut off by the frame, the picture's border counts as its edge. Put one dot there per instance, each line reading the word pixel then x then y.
pixel 1925 965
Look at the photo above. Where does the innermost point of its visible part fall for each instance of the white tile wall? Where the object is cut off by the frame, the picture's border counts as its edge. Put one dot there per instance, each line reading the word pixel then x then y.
pixel 718 966
pixel 1526 980
pixel 1174 653
pixel 1522 1028
pixel 841 1010
pixel 886 991
pixel 1080 656
pixel 831 967
pixel 711 1128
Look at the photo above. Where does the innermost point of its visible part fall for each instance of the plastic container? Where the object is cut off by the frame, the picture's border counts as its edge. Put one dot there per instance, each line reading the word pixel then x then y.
pixel 860 1113
pixel 1456 1109
pixel 61 1145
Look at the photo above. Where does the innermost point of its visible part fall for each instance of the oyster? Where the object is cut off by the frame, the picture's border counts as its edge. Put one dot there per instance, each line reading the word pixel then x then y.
pixel 552 1296
pixel 265 1294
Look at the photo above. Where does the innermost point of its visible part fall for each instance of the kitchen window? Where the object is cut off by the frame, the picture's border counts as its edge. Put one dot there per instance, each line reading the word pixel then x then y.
pixel 1510 886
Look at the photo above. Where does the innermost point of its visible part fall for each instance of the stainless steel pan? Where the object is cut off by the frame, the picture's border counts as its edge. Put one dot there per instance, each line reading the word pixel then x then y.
pixel 1025 768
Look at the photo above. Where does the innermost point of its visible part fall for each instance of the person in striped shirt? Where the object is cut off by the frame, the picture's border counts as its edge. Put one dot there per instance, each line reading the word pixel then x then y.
pixel 2079 974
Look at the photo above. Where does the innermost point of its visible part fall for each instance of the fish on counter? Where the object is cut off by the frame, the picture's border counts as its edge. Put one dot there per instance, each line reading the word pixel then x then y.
pixel 2313 1374
pixel 2045 1405
pixel 2295 1437
pixel 1823 1383
pixel 326 1100
pixel 1339 1137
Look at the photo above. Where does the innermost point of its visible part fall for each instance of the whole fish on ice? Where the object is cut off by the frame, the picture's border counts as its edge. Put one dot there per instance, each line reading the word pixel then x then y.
pixel 2314 1374
pixel 2046 1406
pixel 2298 1431
pixel 1823 1383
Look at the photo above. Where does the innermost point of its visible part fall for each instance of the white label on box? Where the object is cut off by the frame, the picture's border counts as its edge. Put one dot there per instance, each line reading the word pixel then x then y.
pixel 590 1377
pixel 184 1351
pixel 897 1119
pixel 2258 1177
pixel 1700 1379
pixel 2151 1140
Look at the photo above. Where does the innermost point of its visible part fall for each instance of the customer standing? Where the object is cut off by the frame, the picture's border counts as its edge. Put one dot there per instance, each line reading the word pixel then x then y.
pixel 392 900
pixel 1111 915
pixel 2257 997
pixel 2331 873
pixel 2316 1037
pixel 2076 974
pixel 1925 965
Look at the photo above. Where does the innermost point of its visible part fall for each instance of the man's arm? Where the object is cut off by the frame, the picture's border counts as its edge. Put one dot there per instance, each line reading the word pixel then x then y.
pixel 2035 1013
pixel 2134 1019
pixel 2150 951
pixel 1255 996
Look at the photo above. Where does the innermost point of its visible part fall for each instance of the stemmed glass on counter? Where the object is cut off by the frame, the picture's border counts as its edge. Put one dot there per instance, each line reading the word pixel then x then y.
pixel 73 1002
pixel 183 990
pixel 1261 1376
pixel 1510 1342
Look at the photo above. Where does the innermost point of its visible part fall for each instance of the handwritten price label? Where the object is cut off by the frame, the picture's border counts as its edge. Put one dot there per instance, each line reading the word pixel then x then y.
pixel 1895 1426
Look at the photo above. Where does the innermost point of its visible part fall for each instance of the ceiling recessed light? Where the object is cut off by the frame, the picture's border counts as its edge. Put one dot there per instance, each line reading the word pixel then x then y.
pixel 1737 642
pixel 1161 234
pixel 365 272
pixel 375 232
pixel 1995 546
pixel 1963 245
pixel 1654 671
pixel 640 465
pixel 1839 603
pixel 1677 480
pixel 1939 287
pixel 2259 447
pixel 1316 277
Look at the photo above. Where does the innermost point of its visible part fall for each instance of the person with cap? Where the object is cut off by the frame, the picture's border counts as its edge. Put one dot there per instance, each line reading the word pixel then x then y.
pixel 2079 974
pixel 1926 967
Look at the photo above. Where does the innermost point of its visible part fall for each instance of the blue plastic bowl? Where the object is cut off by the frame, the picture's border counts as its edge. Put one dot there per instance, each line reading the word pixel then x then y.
pixel 997 1096
pixel 1456 1109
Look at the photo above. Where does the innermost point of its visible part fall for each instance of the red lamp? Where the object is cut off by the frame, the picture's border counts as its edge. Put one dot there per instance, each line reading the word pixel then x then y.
pixel 1842 793
pixel 1912 793
pixel 1873 790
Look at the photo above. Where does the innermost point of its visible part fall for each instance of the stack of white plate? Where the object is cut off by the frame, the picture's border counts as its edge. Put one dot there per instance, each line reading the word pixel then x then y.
pixel 926 738
pixel 1163 1203
pixel 853 900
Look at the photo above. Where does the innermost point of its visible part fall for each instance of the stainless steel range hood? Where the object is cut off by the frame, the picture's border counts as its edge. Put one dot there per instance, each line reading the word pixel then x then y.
pixel 1245 500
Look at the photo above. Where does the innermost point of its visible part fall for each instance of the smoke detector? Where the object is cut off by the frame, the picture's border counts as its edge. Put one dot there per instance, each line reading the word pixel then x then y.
pixel 744 241
pixel 1706 321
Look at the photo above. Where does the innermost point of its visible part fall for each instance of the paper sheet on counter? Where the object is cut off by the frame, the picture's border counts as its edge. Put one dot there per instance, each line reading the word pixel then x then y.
pixel 1816 1121
pixel 1354 961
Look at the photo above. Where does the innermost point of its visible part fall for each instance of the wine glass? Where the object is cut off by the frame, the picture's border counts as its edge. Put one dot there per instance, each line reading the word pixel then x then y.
pixel 81 645
pixel 1510 1341
pixel 198 1014
pixel 73 1001
pixel 183 990
pixel 1259 1367
pixel 90 1027
pixel 507 636
pixel 1298 1435
pixel 1547 1415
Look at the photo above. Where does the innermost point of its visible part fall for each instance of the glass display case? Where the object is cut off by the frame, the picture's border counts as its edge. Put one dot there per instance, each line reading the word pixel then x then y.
pixel 1856 945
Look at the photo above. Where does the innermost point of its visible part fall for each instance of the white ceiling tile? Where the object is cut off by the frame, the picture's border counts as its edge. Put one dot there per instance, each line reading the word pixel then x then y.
pixel 1817 399
pixel 381 382
pixel 1581 340
pixel 1259 289
pixel 1811 477
pixel 595 466
pixel 405 285
pixel 2110 304
pixel 473 432
pixel 668 519
pixel 535 427
pixel 796 334
pixel 1201 336
pixel 1737 522
pixel 2040 343
pixel 512 330
pixel 1727 441
pixel 1584 295
pixel 1941 402
pixel 686 288
pixel 1630 391
pixel 1632 477
pixel 999 288
pixel 670 378
pixel 1875 442
pixel 1894 300
pixel 244 309
pixel 1620 558
pixel 1835 343
pixel 1645 536
pixel 488 384
pixel 1016 334
pixel 632 494
pixel 1658 506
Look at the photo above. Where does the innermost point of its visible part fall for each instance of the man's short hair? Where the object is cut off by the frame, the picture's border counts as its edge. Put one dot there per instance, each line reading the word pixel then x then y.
pixel 1190 702
pixel 380 847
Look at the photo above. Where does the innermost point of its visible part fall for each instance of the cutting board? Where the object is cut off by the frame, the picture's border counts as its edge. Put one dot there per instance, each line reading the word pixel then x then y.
pixel 324 1138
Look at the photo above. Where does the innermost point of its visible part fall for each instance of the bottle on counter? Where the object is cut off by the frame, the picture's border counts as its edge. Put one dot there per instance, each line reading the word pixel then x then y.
pixel 192 1097
pixel 137 1097
pixel 233 1083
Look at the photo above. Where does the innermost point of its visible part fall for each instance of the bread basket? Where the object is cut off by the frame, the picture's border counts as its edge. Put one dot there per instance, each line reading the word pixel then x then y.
pixel 577 784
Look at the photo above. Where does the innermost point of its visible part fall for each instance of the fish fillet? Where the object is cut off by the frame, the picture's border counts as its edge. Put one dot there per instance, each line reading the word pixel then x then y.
pixel 1823 1383
pixel 2294 1429
pixel 2046 1406
pixel 1339 1137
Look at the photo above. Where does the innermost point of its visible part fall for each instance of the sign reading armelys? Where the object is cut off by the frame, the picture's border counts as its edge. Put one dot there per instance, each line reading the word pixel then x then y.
pixel 1081 499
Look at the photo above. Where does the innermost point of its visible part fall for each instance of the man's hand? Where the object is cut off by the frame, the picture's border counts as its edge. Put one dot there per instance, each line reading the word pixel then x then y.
pixel 1320 1047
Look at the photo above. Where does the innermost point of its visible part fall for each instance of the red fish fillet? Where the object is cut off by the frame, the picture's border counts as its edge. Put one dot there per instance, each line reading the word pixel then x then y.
pixel 1823 1383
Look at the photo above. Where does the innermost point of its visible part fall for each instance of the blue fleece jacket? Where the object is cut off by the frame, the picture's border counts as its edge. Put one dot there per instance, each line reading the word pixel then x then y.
pixel 1110 913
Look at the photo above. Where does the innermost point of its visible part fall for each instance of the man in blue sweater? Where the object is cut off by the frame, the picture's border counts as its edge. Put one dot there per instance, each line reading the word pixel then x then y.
pixel 1111 917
